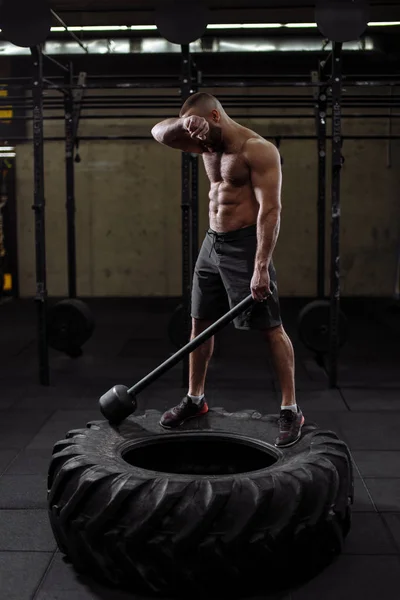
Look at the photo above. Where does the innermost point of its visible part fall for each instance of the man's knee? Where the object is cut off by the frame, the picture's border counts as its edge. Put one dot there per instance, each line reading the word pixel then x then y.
pixel 200 325
pixel 273 332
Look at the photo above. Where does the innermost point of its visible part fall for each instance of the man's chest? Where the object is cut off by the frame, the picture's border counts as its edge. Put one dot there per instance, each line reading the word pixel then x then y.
pixel 229 168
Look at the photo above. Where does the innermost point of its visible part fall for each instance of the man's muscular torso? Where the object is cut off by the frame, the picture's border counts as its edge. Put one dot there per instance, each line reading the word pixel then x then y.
pixel 243 170
pixel 232 201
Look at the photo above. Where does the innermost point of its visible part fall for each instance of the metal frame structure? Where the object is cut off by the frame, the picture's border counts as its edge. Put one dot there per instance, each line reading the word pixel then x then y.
pixel 186 207
pixel 70 183
pixel 189 206
pixel 72 108
pixel 39 208
pixel 321 117
pixel 71 103
pixel 8 227
pixel 336 98
pixel 327 93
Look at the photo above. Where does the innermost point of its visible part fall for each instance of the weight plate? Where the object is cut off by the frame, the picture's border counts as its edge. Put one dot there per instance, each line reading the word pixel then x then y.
pixel 70 326
pixel 25 23
pixel 342 20
pixel 181 22
pixel 314 326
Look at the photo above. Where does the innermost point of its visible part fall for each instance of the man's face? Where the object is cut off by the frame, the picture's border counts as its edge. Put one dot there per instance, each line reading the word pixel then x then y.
pixel 213 140
pixel 214 137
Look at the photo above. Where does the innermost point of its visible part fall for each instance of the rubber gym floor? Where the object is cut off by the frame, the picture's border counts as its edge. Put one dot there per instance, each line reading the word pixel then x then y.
pixel 129 341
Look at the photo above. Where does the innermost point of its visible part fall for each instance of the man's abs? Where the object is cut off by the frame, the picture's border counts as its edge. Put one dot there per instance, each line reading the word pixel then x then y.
pixel 232 202
pixel 231 208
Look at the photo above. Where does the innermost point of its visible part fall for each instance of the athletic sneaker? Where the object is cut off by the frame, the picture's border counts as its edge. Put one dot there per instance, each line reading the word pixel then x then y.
pixel 290 424
pixel 187 409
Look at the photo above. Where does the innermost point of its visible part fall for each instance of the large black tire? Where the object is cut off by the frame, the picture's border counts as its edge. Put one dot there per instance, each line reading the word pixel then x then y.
pixel 274 517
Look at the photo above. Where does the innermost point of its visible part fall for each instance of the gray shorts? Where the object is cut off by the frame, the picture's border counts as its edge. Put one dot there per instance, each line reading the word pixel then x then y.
pixel 222 278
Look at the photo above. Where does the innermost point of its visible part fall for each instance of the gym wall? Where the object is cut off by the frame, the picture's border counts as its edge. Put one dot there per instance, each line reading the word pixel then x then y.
pixel 128 210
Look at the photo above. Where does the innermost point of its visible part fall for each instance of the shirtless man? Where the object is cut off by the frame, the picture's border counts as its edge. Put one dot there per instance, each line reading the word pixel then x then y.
pixel 236 257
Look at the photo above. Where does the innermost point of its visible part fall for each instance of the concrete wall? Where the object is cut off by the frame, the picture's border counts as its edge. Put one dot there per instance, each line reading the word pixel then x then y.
pixel 128 212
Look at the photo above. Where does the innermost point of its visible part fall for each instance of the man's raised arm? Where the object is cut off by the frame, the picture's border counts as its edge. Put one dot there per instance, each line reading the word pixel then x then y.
pixel 185 134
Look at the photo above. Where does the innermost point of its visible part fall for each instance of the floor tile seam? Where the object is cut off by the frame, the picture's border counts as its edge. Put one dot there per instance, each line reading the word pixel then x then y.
pixel 378 477
pixel 392 553
pixel 354 464
pixel 12 462
pixel 389 532
pixel 382 411
pixel 359 511
pixel 5 469
pixel 344 399
pixel 366 477
pixel 43 578
pixel 45 422
pixel 370 388
pixel 376 449
pixel 369 496
pixel 41 507
pixel 27 552
pixel 25 509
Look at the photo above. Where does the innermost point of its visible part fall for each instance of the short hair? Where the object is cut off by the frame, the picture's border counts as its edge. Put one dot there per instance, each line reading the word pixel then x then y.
pixel 206 103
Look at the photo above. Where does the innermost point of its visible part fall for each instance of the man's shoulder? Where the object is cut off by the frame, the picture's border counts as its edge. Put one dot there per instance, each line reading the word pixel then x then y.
pixel 257 148
pixel 256 142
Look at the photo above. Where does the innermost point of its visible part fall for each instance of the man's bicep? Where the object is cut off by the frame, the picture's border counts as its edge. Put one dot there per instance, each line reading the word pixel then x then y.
pixel 266 175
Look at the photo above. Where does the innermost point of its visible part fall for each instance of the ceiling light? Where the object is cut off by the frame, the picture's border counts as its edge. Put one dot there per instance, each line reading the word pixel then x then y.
pixel 383 23
pixel 105 28
pixel 93 28
pixel 211 26
pixel 142 27
pixel 300 25
pixel 244 26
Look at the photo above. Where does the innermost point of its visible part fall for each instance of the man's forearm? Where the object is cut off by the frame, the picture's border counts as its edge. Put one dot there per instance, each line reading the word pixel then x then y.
pixel 268 225
pixel 167 131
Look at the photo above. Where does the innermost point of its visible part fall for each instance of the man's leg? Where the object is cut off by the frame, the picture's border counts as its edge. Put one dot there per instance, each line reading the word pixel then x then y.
pixel 291 418
pixel 199 359
pixel 194 404
pixel 282 355
pixel 208 300
pixel 236 268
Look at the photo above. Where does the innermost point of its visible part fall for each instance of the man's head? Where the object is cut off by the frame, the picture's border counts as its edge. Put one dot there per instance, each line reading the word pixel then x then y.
pixel 206 106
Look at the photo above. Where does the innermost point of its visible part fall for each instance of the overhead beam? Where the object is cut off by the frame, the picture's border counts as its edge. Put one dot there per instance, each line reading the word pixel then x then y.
pixel 384 12
pixel 141 17
pixel 239 65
